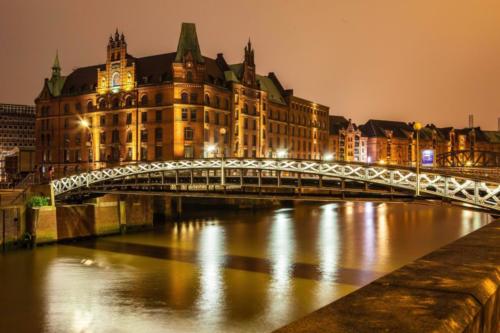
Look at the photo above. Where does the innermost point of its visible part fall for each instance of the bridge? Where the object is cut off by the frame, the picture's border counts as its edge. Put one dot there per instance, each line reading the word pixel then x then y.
pixel 233 175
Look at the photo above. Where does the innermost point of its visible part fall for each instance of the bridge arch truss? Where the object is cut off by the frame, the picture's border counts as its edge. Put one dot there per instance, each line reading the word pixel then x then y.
pixel 232 172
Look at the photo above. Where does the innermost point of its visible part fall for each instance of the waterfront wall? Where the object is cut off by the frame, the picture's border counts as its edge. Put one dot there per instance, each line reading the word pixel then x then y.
pixel 453 289
pixel 110 214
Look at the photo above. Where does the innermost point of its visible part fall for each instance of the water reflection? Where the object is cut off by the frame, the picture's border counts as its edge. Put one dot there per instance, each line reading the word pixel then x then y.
pixel 281 254
pixel 211 246
pixel 236 272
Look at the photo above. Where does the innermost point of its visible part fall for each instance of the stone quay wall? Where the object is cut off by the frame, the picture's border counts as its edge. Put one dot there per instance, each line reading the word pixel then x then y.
pixel 453 289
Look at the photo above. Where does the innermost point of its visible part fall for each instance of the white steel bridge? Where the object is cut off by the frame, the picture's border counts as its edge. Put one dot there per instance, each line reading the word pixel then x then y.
pixel 233 174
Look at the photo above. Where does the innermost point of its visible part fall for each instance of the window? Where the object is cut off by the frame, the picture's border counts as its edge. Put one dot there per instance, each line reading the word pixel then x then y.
pixel 129 118
pixel 207 117
pixel 254 140
pixel 78 138
pixel 102 104
pixel 129 136
pixel 102 138
pixel 245 123
pixel 189 76
pixel 115 136
pixel 216 135
pixel 102 120
pixel 207 100
pixel 245 140
pixel 184 114
pixel 144 136
pixel 90 106
pixel 144 100
pixel 158 152
pixel 116 103
pixel 66 123
pixel 78 155
pixel 188 134
pixel 217 101
pixel 206 135
pixel 158 99
pixel 144 117
pixel 245 108
pixel 78 107
pixel 129 154
pixel 66 108
pixel 128 102
pixel 226 104
pixel 193 115
pixel 188 151
pixel 115 119
pixel 158 134
pixel 144 153
pixel 184 98
pixel 158 116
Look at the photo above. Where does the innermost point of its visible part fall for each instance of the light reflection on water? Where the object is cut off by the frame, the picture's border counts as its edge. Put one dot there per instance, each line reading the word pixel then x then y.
pixel 220 271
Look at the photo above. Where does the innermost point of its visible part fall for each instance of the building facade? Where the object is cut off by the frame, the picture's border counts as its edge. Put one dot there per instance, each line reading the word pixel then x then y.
pixel 17 131
pixel 346 142
pixel 171 106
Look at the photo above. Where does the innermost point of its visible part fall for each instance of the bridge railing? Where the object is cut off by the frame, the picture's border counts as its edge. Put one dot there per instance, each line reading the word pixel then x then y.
pixel 483 193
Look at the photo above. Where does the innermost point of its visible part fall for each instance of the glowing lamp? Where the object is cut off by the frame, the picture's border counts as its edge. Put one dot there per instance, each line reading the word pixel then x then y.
pixel 328 157
pixel 281 153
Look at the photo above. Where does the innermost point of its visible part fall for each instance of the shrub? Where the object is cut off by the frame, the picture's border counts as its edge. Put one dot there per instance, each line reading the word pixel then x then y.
pixel 38 201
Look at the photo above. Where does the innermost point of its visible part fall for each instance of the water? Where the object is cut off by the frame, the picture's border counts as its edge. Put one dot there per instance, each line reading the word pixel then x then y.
pixel 220 271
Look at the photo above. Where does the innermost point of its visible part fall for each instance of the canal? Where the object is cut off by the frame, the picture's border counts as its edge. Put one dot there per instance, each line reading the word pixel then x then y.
pixel 222 270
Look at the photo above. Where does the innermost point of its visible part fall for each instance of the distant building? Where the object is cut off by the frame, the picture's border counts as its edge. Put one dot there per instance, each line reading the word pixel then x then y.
pixel 346 142
pixel 17 130
pixel 171 106
pixel 388 142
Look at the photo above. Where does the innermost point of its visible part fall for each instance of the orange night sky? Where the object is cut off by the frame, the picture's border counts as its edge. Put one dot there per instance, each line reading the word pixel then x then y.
pixel 426 60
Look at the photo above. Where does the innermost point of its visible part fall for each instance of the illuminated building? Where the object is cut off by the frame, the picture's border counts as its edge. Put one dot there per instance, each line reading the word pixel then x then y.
pixel 172 105
pixel 17 128
pixel 346 142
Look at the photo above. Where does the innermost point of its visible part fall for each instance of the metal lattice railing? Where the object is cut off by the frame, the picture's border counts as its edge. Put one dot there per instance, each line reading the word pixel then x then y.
pixel 479 193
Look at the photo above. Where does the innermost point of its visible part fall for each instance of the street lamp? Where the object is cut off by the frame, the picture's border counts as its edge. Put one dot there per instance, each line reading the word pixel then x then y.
pixel 417 127
pixel 281 153
pixel 328 157
pixel 86 125
pixel 211 149
pixel 222 132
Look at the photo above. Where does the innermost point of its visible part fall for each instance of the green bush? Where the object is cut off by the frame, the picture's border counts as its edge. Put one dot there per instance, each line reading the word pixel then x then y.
pixel 38 201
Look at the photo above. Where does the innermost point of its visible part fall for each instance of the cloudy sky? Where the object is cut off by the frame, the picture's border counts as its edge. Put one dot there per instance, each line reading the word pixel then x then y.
pixel 426 60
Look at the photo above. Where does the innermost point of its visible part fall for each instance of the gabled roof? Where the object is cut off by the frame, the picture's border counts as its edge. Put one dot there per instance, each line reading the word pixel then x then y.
pixel 378 128
pixel 493 136
pixel 154 69
pixel 337 123
pixel 81 80
pixel 273 93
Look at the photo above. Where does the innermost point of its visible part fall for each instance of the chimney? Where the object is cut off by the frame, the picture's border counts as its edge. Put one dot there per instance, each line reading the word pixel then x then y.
pixel 471 121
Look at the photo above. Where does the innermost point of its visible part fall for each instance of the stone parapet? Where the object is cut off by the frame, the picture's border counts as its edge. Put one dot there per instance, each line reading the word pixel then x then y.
pixel 453 289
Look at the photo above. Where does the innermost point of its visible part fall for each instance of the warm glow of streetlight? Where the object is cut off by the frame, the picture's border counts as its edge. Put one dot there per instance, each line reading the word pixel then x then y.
pixel 281 153
pixel 417 126
pixel 328 157
pixel 85 123
pixel 211 148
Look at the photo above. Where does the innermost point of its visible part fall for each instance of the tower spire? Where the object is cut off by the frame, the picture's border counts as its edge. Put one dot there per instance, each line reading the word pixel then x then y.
pixel 56 67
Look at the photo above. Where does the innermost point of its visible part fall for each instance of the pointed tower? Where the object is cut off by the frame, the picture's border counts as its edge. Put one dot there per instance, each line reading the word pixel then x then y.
pixel 56 81
pixel 248 74
pixel 188 44
pixel 119 75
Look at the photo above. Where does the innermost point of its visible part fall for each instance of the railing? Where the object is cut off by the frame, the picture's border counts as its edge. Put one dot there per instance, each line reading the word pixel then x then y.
pixel 480 193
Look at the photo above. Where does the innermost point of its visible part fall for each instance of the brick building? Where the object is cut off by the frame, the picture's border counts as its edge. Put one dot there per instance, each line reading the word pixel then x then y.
pixel 346 141
pixel 17 131
pixel 173 105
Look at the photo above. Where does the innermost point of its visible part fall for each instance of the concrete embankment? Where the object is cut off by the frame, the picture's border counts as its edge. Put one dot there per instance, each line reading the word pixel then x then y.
pixel 453 289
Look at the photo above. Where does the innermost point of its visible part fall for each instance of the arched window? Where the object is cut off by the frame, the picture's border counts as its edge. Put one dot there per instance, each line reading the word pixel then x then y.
pixel 144 100
pixel 90 106
pixel 158 98
pixel 116 103
pixel 102 104
pixel 188 133
pixel 184 97
pixel 207 100
pixel 128 102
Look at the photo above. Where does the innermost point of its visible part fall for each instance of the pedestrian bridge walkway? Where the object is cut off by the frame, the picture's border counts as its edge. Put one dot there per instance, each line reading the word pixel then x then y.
pixel 225 175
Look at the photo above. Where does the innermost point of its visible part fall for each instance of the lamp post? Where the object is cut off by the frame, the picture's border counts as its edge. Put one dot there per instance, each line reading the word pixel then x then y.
pixel 86 124
pixel 222 131
pixel 417 127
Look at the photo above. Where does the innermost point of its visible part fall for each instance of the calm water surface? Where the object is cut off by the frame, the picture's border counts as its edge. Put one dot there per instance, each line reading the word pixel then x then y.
pixel 220 271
